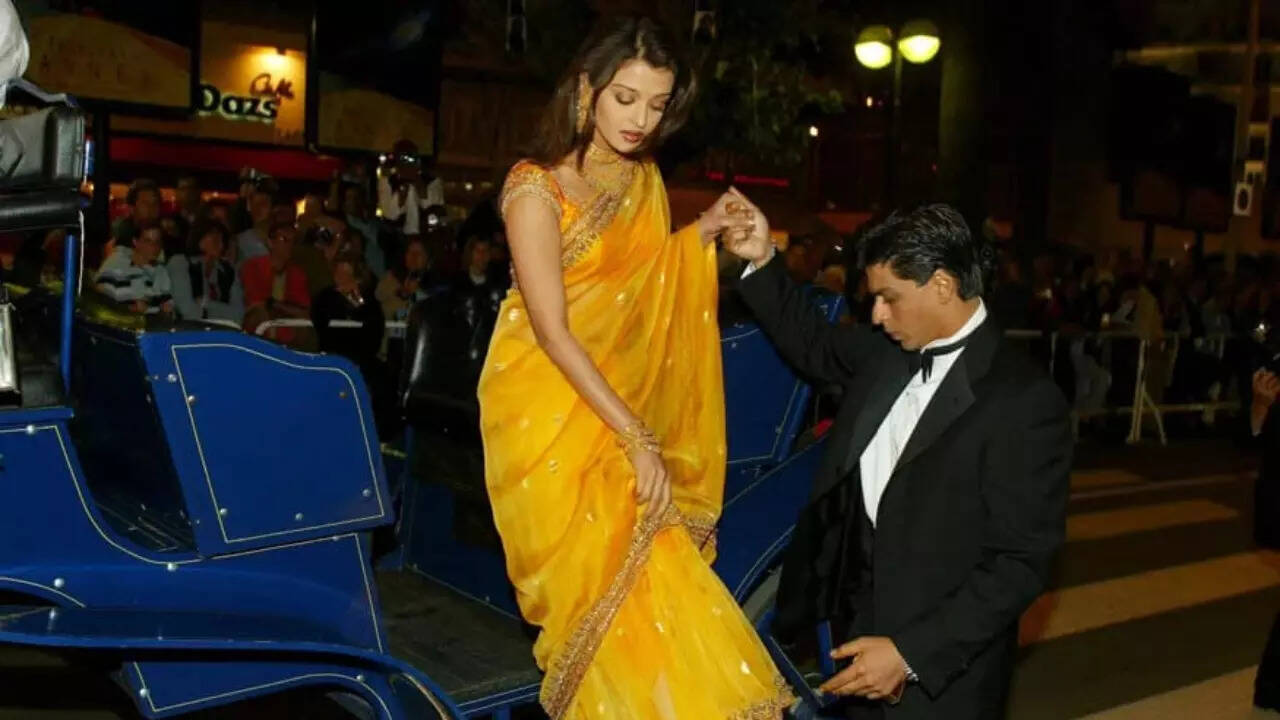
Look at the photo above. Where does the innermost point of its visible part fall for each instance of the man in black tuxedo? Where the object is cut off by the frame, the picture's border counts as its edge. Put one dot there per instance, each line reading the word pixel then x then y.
pixel 942 497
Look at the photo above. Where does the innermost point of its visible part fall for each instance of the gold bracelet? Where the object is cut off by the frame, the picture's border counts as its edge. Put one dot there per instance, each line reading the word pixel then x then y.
pixel 638 437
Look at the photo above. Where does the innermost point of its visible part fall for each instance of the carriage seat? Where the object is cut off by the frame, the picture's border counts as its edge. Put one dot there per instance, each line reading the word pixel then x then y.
pixel 446 338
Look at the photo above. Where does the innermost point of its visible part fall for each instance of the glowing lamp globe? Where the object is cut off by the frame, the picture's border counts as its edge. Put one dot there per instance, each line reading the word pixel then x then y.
pixel 919 42
pixel 874 47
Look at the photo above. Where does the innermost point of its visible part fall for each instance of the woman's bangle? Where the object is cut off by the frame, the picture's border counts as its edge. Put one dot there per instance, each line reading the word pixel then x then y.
pixel 636 436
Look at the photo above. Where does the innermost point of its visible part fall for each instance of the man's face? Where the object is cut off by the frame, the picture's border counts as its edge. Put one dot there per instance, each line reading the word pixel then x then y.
pixel 146 248
pixel 908 312
pixel 189 193
pixel 352 202
pixel 146 206
pixel 284 213
pixel 260 207
pixel 480 255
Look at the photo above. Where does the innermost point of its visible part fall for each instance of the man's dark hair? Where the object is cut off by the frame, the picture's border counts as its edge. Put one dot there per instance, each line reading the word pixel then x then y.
pixel 917 244
pixel 141 185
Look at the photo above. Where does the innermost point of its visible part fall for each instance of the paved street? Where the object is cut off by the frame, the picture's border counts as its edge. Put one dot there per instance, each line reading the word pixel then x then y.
pixel 1159 608
pixel 1160 605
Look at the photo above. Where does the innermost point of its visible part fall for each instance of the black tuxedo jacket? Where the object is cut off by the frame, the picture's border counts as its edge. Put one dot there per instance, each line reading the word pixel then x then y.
pixel 967 526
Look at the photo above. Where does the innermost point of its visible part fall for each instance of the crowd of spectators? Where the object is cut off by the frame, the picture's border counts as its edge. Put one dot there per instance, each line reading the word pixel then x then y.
pixel 319 254
pixel 366 247
pixel 1202 330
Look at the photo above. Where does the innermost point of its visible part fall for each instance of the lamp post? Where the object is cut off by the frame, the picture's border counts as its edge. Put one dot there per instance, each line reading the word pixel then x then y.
pixel 918 43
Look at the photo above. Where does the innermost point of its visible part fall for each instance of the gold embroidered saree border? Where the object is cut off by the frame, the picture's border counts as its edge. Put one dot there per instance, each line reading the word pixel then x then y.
pixel 584 233
pixel 770 709
pixel 701 530
pixel 527 178
pixel 570 665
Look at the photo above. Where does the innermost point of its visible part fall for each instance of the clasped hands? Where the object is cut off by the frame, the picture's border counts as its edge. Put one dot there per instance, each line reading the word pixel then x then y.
pixel 741 226
pixel 878 670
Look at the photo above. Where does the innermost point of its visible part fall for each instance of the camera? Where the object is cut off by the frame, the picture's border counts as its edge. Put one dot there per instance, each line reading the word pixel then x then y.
pixel 1266 342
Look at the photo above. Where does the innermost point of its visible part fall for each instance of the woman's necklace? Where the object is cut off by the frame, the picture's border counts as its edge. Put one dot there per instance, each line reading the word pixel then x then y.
pixel 606 171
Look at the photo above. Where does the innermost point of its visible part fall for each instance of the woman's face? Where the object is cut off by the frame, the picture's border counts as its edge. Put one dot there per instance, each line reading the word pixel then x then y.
pixel 630 107
pixel 344 276
pixel 415 257
pixel 211 244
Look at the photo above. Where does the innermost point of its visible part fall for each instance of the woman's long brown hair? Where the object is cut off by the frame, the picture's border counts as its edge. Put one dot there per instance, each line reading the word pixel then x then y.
pixel 611 43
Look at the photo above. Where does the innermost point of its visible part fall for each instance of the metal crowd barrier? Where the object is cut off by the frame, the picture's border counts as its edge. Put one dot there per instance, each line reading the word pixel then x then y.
pixel 1142 400
pixel 1143 404
pixel 394 327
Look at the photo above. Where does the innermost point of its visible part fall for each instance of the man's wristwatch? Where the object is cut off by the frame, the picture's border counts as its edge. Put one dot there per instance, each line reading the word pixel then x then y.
pixel 912 677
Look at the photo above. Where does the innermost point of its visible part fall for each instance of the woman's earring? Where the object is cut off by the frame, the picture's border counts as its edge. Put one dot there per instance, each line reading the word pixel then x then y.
pixel 583 103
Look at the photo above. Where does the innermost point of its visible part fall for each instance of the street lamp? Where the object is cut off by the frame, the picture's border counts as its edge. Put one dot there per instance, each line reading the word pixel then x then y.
pixel 918 43
pixel 874 47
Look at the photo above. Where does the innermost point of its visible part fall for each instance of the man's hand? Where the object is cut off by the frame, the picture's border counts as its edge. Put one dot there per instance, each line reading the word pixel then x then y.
pixel 878 671
pixel 753 244
pixel 1265 387
pixel 729 216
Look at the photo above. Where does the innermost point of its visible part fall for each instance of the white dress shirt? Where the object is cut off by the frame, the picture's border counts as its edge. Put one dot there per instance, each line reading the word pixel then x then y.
pixel 881 455
pixel 393 209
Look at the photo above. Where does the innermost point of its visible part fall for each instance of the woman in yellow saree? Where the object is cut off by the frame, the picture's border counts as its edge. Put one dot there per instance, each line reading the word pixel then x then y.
pixel 602 409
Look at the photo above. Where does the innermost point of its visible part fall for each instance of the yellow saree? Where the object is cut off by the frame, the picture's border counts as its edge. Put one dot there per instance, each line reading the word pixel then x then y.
pixel 634 623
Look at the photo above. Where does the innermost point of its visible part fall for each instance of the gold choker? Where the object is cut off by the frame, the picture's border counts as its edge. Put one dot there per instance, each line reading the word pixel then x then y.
pixel 607 171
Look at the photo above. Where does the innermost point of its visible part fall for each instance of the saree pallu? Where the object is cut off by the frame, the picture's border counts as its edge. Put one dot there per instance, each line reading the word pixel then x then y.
pixel 634 623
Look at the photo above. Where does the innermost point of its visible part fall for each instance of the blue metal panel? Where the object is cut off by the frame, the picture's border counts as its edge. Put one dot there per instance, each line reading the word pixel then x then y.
pixel 764 401
pixel 270 445
pixel 757 522
pixel 433 549
pixel 223 658
pixel 57 547
pixel 121 443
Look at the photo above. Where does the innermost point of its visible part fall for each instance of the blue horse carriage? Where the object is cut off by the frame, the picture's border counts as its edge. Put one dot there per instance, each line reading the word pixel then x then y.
pixel 214 516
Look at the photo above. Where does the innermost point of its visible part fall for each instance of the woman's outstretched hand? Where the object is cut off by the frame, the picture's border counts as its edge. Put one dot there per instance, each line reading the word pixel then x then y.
pixel 653 482
pixel 752 242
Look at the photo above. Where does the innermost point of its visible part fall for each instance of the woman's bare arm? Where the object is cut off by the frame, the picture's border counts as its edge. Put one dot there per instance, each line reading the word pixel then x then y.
pixel 534 235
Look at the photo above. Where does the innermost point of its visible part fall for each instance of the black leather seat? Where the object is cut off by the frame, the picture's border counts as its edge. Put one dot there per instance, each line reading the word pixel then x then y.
pixel 446 339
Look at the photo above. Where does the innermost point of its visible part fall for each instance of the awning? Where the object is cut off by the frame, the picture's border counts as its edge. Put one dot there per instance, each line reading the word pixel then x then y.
pixel 281 163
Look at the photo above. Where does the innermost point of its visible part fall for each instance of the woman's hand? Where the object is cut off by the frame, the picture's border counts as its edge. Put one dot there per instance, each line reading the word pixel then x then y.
pixel 728 216
pixel 653 483
pixel 753 242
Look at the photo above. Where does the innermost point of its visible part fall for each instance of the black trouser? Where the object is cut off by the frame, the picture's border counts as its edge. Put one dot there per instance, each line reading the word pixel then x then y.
pixel 1266 688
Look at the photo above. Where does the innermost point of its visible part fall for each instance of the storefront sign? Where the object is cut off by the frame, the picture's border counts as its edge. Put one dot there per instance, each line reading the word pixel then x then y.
pixel 261 103
pixel 253 89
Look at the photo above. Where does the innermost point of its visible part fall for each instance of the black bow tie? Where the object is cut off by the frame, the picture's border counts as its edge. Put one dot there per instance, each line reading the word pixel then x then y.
pixel 923 360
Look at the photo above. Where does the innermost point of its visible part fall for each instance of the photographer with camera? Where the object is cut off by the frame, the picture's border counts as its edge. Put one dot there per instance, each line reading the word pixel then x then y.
pixel 406 189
